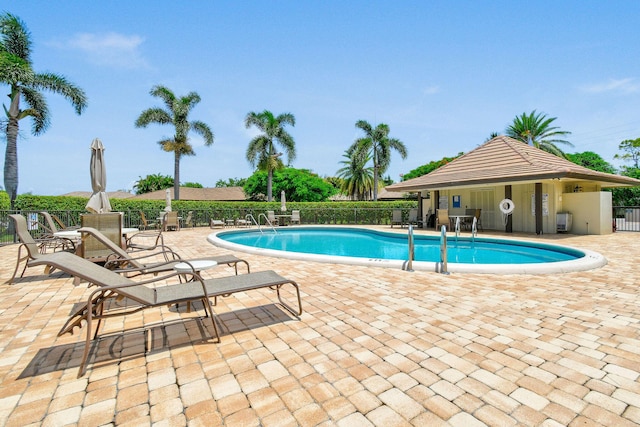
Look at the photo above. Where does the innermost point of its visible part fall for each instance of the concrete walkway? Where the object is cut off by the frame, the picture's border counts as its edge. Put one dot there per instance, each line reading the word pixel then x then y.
pixel 374 347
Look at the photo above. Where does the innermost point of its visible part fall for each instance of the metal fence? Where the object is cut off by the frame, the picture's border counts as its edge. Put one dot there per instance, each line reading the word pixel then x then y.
pixel 627 218
pixel 203 217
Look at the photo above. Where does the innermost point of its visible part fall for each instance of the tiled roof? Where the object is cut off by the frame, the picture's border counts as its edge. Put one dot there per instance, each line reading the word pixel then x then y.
pixel 226 194
pixel 503 160
pixel 110 194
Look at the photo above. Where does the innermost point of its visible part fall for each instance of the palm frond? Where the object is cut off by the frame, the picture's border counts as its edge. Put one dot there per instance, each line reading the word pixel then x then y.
pixel 60 85
pixel 38 110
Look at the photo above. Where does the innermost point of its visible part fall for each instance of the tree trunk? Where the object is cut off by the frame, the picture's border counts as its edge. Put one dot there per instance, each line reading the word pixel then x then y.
pixel 375 182
pixel 269 184
pixel 11 154
pixel 176 177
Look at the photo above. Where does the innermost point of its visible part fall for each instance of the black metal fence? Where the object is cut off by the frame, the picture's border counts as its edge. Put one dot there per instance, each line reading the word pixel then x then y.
pixel 627 218
pixel 203 217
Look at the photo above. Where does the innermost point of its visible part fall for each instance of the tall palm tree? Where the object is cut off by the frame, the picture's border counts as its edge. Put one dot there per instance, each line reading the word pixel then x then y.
pixel 357 178
pixel 16 70
pixel 535 129
pixel 176 114
pixel 262 150
pixel 377 143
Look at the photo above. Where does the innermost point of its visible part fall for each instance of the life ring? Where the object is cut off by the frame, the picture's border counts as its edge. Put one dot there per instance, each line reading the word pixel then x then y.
pixel 507 206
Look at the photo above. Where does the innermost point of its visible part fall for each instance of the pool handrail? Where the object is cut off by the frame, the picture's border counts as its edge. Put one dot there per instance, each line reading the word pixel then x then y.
pixel 409 263
pixel 266 221
pixel 443 250
pixel 474 229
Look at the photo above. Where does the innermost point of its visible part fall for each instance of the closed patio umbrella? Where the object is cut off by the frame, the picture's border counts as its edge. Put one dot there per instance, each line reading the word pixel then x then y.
pixel 167 197
pixel 99 201
pixel 283 202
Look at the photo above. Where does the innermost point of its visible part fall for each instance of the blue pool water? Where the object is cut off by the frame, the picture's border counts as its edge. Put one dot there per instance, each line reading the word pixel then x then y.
pixel 373 244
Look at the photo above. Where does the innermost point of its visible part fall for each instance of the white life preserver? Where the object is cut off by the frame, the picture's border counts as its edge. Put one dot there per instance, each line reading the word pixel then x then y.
pixel 507 206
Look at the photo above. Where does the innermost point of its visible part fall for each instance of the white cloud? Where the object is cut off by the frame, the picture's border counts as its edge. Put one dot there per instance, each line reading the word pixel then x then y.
pixel 110 49
pixel 431 90
pixel 627 85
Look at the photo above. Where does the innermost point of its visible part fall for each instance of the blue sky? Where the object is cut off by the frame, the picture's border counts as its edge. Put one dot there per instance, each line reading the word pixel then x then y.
pixel 442 74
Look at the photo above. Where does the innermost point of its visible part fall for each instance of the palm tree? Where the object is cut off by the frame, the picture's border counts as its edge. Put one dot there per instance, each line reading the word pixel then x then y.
pixel 378 145
pixel 262 151
pixel 16 70
pixel 177 114
pixel 535 129
pixel 357 178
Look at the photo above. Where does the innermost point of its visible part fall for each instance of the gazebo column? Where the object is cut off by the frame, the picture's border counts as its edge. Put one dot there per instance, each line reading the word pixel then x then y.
pixel 538 199
pixel 508 227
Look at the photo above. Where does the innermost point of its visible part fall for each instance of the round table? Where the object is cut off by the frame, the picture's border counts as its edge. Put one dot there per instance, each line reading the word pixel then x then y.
pixel 195 266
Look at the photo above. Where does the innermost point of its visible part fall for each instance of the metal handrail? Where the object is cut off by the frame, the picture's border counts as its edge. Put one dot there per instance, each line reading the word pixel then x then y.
pixel 443 250
pixel 266 221
pixel 474 228
pixel 457 228
pixel 250 218
pixel 409 263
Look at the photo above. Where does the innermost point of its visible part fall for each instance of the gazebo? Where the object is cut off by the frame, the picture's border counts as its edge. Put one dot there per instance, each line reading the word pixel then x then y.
pixel 539 185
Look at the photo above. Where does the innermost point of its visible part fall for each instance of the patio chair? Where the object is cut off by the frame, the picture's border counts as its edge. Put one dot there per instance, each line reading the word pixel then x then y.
pixel 271 216
pixel 467 223
pixel 478 221
pixel 144 294
pixel 145 223
pixel 170 221
pixel 34 249
pixel 295 217
pixel 396 217
pixel 110 225
pixel 442 218
pixel 412 219
pixel 217 223
pixel 189 220
pixel 145 241
pixel 126 262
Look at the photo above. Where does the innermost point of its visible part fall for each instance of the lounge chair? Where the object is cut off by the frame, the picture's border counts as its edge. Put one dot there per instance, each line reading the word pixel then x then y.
pixel 54 223
pixel 217 223
pixel 146 295
pixel 49 240
pixel 295 217
pixel 125 262
pixel 34 248
pixel 396 217
pixel 110 225
pixel 243 222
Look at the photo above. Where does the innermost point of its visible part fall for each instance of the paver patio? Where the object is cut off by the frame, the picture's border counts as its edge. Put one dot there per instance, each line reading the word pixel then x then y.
pixel 374 346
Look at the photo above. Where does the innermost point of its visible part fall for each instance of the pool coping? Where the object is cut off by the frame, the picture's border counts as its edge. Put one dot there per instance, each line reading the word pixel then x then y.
pixel 590 261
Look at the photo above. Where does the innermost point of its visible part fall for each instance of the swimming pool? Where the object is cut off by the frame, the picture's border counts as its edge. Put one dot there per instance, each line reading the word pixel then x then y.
pixel 371 247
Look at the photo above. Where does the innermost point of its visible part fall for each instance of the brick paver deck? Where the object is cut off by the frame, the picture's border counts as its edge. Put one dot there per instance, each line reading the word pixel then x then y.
pixel 374 347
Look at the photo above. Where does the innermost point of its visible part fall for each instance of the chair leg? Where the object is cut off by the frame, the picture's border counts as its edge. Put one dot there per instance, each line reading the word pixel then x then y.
pixel 20 259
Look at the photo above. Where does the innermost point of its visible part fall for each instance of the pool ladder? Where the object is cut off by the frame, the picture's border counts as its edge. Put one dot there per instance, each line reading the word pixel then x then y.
pixel 250 218
pixel 442 265
pixel 408 265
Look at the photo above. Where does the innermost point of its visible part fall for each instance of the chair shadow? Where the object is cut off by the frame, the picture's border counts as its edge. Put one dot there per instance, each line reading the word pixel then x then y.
pixel 119 347
pixel 56 274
